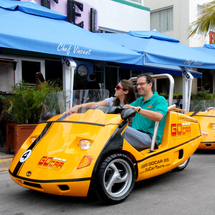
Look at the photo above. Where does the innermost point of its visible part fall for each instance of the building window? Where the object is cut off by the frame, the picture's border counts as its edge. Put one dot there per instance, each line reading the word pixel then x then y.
pixel 54 72
pixel 162 19
pixel 29 69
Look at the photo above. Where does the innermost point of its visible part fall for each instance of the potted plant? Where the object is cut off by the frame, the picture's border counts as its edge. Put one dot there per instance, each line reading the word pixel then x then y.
pixel 24 108
pixel 164 95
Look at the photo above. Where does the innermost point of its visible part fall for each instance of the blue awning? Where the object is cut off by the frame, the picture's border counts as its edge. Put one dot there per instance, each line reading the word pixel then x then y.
pixel 33 9
pixel 208 49
pixel 209 46
pixel 159 68
pixel 31 27
pixel 158 48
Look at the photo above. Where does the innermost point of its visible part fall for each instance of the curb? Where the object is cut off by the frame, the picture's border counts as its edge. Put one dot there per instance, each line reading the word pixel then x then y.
pixel 5 163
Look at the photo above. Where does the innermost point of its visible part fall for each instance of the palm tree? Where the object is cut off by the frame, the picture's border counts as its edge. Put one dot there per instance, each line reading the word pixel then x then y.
pixel 205 21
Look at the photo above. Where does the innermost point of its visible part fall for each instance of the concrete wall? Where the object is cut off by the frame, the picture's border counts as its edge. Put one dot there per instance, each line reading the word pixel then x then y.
pixel 179 85
pixel 184 13
pixel 7 76
pixel 196 40
pixel 119 15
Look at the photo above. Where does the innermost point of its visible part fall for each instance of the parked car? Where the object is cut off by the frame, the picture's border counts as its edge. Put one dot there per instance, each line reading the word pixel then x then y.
pixel 206 120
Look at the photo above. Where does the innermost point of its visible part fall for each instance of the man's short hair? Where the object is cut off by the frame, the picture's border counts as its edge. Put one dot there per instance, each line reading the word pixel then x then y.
pixel 148 77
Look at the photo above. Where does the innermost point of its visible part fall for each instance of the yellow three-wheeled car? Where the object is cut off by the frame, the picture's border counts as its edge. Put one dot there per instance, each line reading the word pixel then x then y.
pixel 74 154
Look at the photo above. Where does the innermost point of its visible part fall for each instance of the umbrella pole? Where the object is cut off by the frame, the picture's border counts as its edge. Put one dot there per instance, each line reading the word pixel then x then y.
pixel 72 71
pixel 187 87
pixel 69 70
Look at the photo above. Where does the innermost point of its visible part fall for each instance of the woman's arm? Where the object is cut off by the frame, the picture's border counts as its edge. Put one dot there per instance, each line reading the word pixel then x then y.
pixel 86 105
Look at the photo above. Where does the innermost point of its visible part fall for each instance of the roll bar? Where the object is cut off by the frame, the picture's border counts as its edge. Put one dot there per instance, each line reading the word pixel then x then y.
pixel 156 130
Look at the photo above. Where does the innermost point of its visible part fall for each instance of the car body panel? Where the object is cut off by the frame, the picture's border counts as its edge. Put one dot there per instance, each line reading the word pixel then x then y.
pixel 206 120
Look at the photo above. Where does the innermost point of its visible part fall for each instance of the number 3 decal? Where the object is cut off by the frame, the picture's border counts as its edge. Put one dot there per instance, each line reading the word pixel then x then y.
pixel 25 156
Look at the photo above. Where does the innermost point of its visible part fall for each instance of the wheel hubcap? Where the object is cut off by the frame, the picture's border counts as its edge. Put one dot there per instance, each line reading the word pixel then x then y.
pixel 117 178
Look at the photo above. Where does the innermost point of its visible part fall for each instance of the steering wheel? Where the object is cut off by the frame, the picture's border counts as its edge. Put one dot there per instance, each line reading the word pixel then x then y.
pixel 115 109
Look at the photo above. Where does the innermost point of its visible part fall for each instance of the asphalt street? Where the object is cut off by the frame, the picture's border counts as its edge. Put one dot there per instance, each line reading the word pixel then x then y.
pixel 191 191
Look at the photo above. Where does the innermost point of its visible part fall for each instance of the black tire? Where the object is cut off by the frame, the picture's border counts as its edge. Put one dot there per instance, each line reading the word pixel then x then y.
pixel 115 178
pixel 182 166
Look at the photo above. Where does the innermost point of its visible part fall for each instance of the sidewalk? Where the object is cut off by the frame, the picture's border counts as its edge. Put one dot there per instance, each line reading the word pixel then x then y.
pixel 5 160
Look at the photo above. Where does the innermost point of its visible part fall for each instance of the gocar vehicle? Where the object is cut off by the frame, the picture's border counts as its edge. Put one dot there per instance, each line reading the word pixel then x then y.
pixel 206 120
pixel 74 154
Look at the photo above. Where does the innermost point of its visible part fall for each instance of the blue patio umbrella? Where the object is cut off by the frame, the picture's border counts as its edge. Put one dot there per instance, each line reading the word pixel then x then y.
pixel 209 46
pixel 31 27
pixel 160 68
pixel 158 48
pixel 208 49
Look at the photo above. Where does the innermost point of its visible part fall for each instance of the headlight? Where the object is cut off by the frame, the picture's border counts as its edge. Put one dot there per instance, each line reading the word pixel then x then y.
pixel 85 144
pixel 213 126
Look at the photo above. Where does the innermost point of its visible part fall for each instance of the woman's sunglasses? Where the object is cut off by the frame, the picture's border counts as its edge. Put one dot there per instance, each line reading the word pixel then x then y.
pixel 118 87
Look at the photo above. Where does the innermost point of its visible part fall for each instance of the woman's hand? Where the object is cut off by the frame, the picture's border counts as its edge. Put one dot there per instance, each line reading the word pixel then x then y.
pixel 210 108
pixel 72 110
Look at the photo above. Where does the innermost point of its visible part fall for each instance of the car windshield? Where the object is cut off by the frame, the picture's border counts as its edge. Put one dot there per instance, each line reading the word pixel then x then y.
pixel 201 105
pixel 56 104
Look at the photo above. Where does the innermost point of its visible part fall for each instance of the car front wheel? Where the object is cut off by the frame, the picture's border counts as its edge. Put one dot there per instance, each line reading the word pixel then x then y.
pixel 115 178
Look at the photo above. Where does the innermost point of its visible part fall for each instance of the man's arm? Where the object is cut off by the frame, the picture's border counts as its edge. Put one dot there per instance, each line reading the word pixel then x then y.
pixel 152 115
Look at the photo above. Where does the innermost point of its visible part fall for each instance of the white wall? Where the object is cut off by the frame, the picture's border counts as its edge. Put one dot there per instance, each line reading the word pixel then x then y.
pixel 120 16
pixel 184 12
pixel 196 40
pixel 7 77
pixel 179 85
pixel 111 14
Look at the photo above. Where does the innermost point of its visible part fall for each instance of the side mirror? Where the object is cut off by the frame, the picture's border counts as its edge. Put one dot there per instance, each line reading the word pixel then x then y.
pixel 127 113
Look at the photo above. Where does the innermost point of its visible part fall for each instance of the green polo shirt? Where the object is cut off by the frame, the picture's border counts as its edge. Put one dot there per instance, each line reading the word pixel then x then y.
pixel 155 103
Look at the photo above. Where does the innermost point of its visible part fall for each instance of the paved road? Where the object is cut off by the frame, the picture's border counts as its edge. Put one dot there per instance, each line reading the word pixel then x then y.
pixel 191 191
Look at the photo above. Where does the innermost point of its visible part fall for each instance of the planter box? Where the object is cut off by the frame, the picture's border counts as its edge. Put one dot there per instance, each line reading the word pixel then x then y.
pixel 16 135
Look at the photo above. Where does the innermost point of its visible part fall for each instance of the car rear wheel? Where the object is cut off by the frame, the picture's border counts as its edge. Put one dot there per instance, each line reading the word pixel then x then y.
pixel 182 166
pixel 115 178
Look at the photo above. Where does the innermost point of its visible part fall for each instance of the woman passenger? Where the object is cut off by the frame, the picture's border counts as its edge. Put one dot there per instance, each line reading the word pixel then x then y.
pixel 124 94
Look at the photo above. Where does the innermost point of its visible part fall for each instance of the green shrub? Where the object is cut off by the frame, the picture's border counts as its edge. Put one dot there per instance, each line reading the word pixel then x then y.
pixel 25 105
pixel 202 95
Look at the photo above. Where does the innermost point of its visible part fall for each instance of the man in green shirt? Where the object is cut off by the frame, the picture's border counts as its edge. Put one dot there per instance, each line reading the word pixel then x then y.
pixel 150 107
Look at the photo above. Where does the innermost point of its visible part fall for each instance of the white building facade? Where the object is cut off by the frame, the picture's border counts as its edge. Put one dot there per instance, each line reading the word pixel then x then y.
pixel 120 15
